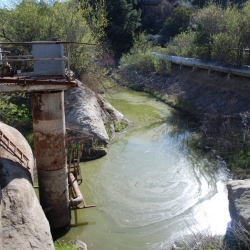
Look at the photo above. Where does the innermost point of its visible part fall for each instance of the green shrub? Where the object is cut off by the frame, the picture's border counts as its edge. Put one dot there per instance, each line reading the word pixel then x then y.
pixel 177 22
pixel 182 45
pixel 61 245
pixel 144 63
pixel 18 116
pixel 141 60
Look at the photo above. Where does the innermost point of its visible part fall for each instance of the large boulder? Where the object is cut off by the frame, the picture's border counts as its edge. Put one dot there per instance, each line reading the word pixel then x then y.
pixel 23 223
pixel 89 115
pixel 239 201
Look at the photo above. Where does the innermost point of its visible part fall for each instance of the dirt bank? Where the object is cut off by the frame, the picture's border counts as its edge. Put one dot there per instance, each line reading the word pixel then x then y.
pixel 221 105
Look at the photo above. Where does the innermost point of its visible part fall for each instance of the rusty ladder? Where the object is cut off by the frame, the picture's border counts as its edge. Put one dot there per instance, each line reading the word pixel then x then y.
pixel 14 149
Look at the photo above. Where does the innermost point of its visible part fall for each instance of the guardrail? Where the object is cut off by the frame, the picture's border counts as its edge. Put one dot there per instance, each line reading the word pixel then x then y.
pixel 209 65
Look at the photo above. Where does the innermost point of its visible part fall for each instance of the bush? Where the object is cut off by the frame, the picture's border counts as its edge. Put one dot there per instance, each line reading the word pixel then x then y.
pixel 16 114
pixel 178 22
pixel 61 245
pixel 182 45
pixel 141 60
pixel 144 63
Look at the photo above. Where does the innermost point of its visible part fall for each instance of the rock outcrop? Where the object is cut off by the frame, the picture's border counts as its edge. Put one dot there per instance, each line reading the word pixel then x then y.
pixel 239 201
pixel 88 114
pixel 23 223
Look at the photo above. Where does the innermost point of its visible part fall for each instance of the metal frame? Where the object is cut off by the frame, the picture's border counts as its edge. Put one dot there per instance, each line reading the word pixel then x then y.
pixel 28 82
pixel 74 167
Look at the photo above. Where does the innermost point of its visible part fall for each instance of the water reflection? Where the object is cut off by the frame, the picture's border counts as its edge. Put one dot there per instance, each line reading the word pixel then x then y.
pixel 151 189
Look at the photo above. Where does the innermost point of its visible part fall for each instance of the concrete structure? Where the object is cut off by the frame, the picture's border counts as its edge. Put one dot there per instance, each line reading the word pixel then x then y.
pixel 47 83
pixel 50 150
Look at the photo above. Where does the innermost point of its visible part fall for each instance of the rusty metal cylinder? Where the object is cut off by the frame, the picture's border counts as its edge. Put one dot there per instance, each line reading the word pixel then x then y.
pixel 50 151
pixel 79 198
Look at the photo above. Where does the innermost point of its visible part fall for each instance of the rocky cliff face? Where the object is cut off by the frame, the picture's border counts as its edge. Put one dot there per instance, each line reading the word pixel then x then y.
pixel 239 203
pixel 23 223
pixel 88 114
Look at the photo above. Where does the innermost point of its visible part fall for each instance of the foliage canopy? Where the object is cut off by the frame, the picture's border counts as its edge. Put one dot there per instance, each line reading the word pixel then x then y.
pixel 62 21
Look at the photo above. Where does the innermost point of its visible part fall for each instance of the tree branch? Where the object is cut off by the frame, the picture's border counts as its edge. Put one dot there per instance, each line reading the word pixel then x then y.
pixel 4 36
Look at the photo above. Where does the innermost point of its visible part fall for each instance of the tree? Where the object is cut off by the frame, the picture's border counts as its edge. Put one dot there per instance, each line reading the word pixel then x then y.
pixel 123 19
pixel 5 25
pixel 209 21
pixel 230 43
pixel 177 22
pixel 182 44
pixel 61 21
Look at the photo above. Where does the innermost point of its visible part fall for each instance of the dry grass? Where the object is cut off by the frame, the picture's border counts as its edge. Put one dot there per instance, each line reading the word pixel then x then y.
pixel 236 238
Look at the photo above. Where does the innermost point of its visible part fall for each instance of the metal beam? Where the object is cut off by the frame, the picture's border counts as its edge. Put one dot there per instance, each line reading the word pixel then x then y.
pixel 35 88
pixel 33 60
pixel 10 85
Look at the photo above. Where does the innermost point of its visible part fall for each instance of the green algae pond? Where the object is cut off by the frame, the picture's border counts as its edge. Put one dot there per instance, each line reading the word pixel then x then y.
pixel 152 189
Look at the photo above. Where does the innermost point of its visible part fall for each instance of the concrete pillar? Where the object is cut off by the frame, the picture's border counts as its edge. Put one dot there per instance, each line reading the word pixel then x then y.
pixel 50 151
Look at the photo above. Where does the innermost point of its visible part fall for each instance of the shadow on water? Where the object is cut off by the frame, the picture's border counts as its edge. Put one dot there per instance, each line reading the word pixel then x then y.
pixel 74 223
pixel 59 232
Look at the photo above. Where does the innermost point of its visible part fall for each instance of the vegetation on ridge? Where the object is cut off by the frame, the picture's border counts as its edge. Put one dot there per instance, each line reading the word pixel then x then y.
pixel 125 33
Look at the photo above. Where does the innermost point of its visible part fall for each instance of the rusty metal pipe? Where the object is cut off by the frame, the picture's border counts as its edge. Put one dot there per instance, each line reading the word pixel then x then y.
pixel 79 198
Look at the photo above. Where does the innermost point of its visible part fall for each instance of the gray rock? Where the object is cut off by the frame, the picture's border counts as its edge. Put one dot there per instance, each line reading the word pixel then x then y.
pixel 239 201
pixel 88 114
pixel 81 245
pixel 24 225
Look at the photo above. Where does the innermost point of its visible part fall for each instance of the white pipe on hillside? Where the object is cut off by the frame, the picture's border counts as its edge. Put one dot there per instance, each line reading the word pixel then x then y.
pixel 209 65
